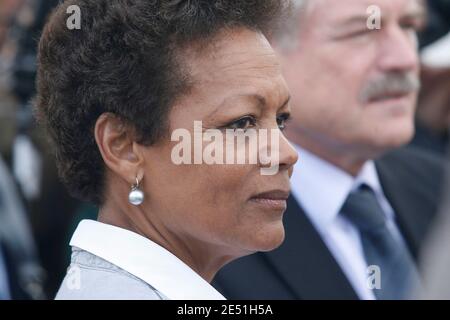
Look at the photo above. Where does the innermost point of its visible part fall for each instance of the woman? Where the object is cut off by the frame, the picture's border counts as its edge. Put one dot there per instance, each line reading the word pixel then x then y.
pixel 113 92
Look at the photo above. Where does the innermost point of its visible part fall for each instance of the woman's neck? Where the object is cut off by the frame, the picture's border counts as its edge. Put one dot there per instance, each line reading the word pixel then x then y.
pixel 201 257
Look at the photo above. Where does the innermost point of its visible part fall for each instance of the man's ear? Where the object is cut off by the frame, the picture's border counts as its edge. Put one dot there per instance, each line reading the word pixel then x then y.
pixel 116 141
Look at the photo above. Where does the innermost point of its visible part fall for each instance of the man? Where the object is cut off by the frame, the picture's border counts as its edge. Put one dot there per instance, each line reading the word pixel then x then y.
pixel 358 212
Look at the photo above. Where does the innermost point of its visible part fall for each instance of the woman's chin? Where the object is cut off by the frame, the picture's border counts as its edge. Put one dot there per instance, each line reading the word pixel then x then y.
pixel 270 239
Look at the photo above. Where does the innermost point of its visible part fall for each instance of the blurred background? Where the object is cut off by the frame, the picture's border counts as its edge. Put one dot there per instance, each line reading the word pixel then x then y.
pixel 37 216
pixel 36 227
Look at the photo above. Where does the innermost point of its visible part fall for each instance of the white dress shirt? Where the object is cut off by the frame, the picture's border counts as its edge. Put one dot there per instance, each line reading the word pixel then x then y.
pixel 142 259
pixel 4 287
pixel 322 188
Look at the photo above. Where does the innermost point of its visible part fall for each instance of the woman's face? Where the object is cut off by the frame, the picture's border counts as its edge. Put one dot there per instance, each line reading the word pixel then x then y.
pixel 237 84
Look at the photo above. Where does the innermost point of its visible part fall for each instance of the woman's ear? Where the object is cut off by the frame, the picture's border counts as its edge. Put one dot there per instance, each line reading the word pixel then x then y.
pixel 116 141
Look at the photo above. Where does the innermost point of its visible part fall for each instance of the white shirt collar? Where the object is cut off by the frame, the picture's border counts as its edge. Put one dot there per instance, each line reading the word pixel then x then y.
pixel 144 259
pixel 322 188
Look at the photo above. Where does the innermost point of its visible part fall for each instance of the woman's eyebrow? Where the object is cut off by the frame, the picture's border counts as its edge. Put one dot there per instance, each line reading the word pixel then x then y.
pixel 252 97
pixel 285 103
pixel 256 100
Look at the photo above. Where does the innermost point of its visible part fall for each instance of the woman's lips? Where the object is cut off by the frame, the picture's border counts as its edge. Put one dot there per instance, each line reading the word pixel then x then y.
pixel 274 200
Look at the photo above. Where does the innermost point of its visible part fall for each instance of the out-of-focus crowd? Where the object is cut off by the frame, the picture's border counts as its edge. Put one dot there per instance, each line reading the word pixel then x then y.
pixel 36 213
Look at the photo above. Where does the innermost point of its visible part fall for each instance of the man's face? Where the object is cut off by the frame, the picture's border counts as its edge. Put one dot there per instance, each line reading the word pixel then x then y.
pixel 353 88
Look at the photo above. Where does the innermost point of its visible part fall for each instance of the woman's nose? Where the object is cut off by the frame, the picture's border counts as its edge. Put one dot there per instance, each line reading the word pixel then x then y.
pixel 288 154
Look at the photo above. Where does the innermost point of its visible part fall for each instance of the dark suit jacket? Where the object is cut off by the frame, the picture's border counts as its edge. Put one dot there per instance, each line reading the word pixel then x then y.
pixel 430 141
pixel 303 268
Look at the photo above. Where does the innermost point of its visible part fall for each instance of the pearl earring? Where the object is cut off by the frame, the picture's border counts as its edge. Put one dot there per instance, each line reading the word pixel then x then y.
pixel 136 196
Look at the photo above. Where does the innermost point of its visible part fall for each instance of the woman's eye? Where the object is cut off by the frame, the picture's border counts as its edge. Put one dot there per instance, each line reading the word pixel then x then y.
pixel 243 123
pixel 282 120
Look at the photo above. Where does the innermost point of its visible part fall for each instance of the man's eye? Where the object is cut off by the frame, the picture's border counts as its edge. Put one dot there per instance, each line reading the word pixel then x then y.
pixel 243 123
pixel 282 120
pixel 357 34
pixel 361 33
pixel 413 29
pixel 409 26
pixel 415 25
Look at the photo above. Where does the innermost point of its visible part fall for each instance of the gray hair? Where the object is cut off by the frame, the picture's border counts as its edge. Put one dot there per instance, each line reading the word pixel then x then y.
pixel 287 37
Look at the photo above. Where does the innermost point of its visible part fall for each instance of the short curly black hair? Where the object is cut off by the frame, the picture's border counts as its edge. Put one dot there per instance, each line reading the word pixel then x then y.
pixel 123 61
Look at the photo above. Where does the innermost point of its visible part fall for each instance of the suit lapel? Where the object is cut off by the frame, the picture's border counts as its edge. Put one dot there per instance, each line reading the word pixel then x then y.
pixel 412 212
pixel 304 262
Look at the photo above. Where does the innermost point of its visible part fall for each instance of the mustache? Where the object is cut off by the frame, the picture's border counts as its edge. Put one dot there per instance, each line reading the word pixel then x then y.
pixel 390 84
